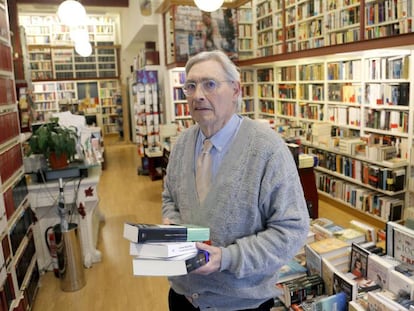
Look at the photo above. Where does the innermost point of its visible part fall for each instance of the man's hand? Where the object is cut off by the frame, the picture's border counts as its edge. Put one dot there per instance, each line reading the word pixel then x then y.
pixel 214 262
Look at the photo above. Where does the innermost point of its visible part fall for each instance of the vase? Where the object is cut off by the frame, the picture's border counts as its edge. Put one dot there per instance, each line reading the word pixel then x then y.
pixel 56 162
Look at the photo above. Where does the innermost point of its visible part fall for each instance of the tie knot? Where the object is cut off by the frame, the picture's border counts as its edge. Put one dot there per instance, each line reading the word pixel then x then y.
pixel 207 145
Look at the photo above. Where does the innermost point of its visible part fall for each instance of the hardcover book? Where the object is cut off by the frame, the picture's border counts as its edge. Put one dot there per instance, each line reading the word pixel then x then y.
pixel 164 250
pixel 400 242
pixel 401 284
pixel 142 233
pixel 342 283
pixel 330 247
pixel 291 271
pixel 379 270
pixel 332 302
pixel 369 231
pixel 359 261
pixel 178 265
pixel 328 270
pixel 350 235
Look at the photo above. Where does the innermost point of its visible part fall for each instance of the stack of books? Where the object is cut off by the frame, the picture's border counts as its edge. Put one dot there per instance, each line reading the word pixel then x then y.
pixel 165 250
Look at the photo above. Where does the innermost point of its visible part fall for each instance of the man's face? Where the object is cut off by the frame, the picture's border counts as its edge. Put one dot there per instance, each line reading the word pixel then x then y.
pixel 211 109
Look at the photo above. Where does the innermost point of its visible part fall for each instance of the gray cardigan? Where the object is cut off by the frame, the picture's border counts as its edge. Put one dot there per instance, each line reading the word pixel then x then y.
pixel 255 210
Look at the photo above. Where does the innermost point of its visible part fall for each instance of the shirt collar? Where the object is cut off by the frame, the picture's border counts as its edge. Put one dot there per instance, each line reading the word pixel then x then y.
pixel 223 136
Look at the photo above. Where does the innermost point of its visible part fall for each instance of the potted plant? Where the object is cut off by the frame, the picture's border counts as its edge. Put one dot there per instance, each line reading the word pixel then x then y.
pixel 55 142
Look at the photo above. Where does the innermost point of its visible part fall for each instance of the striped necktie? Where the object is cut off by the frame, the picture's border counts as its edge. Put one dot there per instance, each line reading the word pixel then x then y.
pixel 203 171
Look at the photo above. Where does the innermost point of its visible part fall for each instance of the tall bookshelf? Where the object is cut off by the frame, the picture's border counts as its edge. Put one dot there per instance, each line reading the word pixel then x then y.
pixel 55 65
pixel 97 100
pixel 248 106
pixel 245 37
pixel 145 104
pixel 333 101
pixel 108 108
pixel 19 274
pixel 180 111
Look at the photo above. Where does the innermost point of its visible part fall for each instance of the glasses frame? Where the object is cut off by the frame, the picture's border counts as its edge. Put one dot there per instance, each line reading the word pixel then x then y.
pixel 202 82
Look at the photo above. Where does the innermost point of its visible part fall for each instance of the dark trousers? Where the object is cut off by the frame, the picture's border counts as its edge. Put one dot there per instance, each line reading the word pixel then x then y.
pixel 178 302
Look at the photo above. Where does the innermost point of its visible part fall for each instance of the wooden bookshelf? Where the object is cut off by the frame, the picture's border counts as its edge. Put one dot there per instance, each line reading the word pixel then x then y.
pixel 248 89
pixel 245 33
pixel 19 275
pixel 363 94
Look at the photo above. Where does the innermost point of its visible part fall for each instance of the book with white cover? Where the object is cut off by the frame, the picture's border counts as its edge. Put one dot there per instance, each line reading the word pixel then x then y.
pixel 369 231
pixel 399 282
pixel 382 302
pixel 167 249
pixel 379 270
pixel 178 265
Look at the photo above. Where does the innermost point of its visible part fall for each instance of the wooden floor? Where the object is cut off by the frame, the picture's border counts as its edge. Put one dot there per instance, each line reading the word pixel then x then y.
pixel 110 286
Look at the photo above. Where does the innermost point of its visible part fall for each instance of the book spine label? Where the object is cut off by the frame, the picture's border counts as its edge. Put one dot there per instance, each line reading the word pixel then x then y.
pixel 160 235
pixel 197 261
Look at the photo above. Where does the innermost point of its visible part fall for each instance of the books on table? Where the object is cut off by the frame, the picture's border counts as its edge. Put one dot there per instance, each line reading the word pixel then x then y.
pixel 171 266
pixel 141 233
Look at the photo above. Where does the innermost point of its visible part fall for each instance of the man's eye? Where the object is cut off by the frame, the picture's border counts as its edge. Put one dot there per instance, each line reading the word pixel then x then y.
pixel 190 86
pixel 210 84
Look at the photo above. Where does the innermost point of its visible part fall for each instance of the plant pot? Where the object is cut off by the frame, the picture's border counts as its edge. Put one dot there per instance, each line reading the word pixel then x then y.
pixel 58 162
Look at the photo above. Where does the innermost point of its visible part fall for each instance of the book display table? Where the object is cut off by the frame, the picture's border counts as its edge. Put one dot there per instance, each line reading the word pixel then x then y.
pixel 43 198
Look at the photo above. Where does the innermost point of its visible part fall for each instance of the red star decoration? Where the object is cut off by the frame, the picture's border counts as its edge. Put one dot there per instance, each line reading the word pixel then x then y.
pixel 89 192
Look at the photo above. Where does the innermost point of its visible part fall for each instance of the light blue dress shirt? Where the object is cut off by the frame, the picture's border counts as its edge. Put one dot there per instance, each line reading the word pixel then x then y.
pixel 221 142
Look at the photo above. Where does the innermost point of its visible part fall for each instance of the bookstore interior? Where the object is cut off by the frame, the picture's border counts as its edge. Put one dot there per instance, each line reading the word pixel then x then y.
pixel 334 78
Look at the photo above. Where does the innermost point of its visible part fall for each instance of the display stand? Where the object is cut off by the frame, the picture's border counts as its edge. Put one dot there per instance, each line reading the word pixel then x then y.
pixel 43 200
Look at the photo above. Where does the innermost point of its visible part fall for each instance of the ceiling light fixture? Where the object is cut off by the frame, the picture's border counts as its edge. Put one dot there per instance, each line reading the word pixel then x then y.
pixel 78 34
pixel 209 5
pixel 71 13
pixel 83 48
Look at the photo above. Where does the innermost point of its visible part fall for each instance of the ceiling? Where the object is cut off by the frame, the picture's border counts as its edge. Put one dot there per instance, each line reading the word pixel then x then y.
pixel 104 3
pixel 92 6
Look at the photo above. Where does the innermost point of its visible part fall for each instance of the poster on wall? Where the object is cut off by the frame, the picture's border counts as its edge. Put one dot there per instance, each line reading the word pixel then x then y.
pixel 197 31
pixel 88 97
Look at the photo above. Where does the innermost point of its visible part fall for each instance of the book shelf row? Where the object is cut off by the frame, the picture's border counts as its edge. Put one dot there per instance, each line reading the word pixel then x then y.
pixel 94 98
pixel 46 29
pixel 60 63
pixel 19 275
pixel 273 27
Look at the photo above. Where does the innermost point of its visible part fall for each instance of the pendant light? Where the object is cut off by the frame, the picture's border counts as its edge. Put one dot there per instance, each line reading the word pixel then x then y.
pixel 83 48
pixel 209 5
pixel 71 13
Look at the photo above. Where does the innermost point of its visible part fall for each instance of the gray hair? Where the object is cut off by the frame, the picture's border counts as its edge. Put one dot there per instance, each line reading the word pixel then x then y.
pixel 230 69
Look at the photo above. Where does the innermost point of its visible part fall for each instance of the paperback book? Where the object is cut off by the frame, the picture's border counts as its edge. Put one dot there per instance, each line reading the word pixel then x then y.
pixel 142 233
pixel 172 266
pixel 161 250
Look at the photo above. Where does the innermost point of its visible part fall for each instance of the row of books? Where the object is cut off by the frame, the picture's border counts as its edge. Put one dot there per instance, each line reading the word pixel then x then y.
pixel 383 178
pixel 383 206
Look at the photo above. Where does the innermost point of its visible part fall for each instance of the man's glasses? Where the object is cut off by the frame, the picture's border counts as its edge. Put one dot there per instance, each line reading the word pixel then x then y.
pixel 207 85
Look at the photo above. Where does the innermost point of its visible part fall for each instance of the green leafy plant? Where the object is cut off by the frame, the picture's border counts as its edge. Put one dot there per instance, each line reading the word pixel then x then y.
pixel 52 138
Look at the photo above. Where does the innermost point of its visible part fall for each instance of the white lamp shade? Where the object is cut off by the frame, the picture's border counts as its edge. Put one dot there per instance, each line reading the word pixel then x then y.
pixel 209 5
pixel 71 13
pixel 83 48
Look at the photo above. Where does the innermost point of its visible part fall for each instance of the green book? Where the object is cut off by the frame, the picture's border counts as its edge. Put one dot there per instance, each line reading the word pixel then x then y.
pixel 141 233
